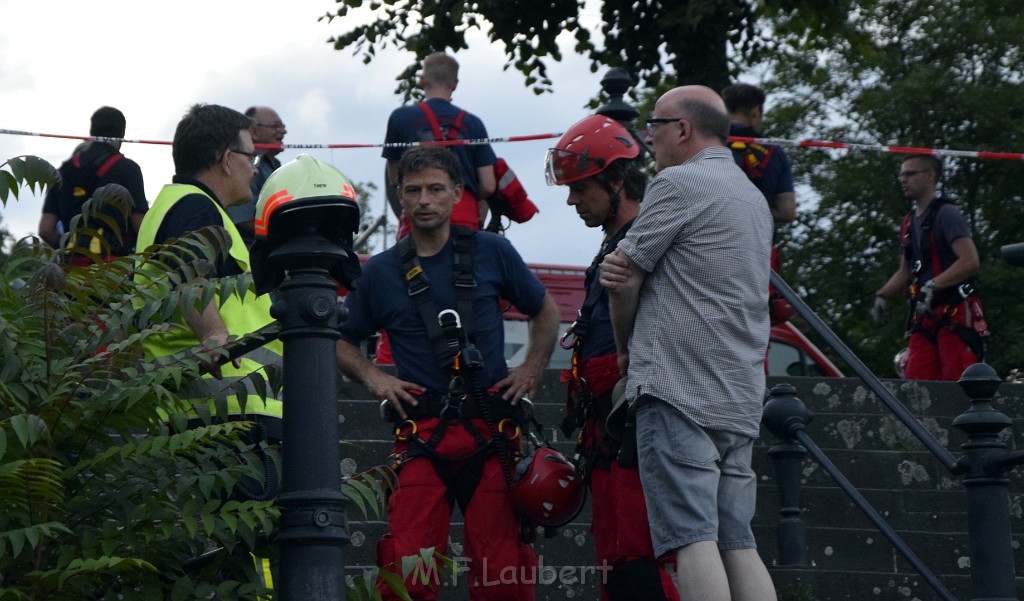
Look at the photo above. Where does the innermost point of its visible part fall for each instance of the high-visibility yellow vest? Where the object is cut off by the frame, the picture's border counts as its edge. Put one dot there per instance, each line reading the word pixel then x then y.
pixel 240 316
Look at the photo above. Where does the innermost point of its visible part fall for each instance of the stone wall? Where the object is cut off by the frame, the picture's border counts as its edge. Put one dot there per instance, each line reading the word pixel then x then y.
pixel 849 558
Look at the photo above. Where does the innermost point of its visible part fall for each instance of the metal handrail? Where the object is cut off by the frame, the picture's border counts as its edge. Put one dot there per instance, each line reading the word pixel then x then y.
pixel 983 465
pixel 870 379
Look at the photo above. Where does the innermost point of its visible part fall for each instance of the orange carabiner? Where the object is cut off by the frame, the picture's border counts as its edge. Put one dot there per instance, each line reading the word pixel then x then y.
pixel 406 436
pixel 501 428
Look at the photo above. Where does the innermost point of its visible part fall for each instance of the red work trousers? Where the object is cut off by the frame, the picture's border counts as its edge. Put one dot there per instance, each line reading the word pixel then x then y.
pixel 936 351
pixel 497 564
pixel 622 535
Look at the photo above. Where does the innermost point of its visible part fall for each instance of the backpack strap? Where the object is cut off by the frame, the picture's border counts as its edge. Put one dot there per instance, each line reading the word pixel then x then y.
pixel 753 158
pixel 107 164
pixel 435 126
pixel 445 347
pixel 99 165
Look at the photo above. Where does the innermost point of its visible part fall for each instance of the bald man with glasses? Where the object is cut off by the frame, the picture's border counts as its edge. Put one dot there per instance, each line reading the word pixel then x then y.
pixel 268 132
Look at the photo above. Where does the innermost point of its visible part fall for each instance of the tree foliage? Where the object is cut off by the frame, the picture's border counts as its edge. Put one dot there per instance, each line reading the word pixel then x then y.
pixel 105 493
pixel 684 41
pixel 99 496
pixel 927 74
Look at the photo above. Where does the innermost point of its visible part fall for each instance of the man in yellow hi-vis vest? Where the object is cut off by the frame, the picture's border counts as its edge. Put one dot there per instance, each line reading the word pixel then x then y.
pixel 214 163
pixel 213 158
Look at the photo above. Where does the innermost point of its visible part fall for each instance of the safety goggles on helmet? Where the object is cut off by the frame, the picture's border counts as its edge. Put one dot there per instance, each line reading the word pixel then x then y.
pixel 564 166
pixel 587 148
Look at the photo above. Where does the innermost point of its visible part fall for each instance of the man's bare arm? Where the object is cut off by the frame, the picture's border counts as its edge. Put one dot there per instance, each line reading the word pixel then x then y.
pixel 967 262
pixel 784 207
pixel 48 229
pixel 383 387
pixel 623 280
pixel 209 329
pixel 897 282
pixel 487 184
pixel 543 332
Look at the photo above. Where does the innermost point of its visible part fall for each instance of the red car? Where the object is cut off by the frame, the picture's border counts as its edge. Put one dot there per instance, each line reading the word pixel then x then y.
pixel 789 354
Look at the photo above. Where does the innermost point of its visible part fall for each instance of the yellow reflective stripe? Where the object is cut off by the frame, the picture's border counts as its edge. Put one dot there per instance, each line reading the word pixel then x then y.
pixel 264 572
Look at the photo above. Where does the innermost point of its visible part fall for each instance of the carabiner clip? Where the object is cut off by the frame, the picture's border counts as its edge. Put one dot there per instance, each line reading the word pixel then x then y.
pixel 527 406
pixel 412 429
pixel 516 430
pixel 441 314
pixel 569 332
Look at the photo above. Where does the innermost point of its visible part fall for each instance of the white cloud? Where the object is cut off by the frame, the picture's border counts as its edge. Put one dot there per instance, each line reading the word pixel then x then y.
pixel 63 59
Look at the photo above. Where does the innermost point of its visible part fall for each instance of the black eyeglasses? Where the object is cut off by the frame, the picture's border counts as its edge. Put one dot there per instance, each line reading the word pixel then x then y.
pixel 253 157
pixel 653 123
pixel 909 174
pixel 277 125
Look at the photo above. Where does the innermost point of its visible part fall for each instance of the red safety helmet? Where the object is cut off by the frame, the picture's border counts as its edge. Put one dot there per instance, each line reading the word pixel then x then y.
pixel 548 491
pixel 587 148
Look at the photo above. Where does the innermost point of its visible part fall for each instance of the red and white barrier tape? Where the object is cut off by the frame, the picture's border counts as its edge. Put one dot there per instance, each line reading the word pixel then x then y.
pixel 478 141
pixel 977 154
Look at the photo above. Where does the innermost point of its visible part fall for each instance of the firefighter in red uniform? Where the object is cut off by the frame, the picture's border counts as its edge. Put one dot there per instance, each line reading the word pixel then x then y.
pixel 946 328
pixel 597 159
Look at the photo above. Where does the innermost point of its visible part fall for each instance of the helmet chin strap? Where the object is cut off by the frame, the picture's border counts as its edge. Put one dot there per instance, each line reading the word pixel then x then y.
pixel 613 201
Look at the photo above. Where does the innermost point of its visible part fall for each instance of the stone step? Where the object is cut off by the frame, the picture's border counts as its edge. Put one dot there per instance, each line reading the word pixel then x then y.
pixel 850 558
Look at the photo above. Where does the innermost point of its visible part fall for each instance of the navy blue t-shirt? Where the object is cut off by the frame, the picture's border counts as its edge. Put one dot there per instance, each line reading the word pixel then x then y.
pixel 381 301
pixel 409 124
pixel 600 340
pixel 949 225
pixel 193 212
pixel 778 176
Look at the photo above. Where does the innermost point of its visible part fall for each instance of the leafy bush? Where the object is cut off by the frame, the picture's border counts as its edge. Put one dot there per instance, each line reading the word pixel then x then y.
pixel 102 495
pixel 99 498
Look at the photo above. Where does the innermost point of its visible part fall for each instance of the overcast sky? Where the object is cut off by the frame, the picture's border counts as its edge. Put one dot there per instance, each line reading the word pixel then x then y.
pixel 63 59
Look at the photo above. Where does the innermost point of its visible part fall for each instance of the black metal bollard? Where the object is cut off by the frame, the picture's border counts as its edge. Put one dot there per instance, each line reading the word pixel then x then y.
pixel 988 506
pixel 312 532
pixel 784 414
pixel 616 82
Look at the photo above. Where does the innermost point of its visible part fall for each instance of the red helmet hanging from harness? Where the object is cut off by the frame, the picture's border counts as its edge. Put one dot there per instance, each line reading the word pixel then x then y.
pixel 547 492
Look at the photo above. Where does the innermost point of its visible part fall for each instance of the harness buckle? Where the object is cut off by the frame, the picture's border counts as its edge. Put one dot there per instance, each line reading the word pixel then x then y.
pixel 916 266
pixel 417 285
pixel 965 290
pixel 451 409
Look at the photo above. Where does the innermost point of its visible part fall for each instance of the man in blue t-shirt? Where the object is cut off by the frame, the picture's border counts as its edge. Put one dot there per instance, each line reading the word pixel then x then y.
pixel 436 118
pixel 452 439
pixel 765 164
